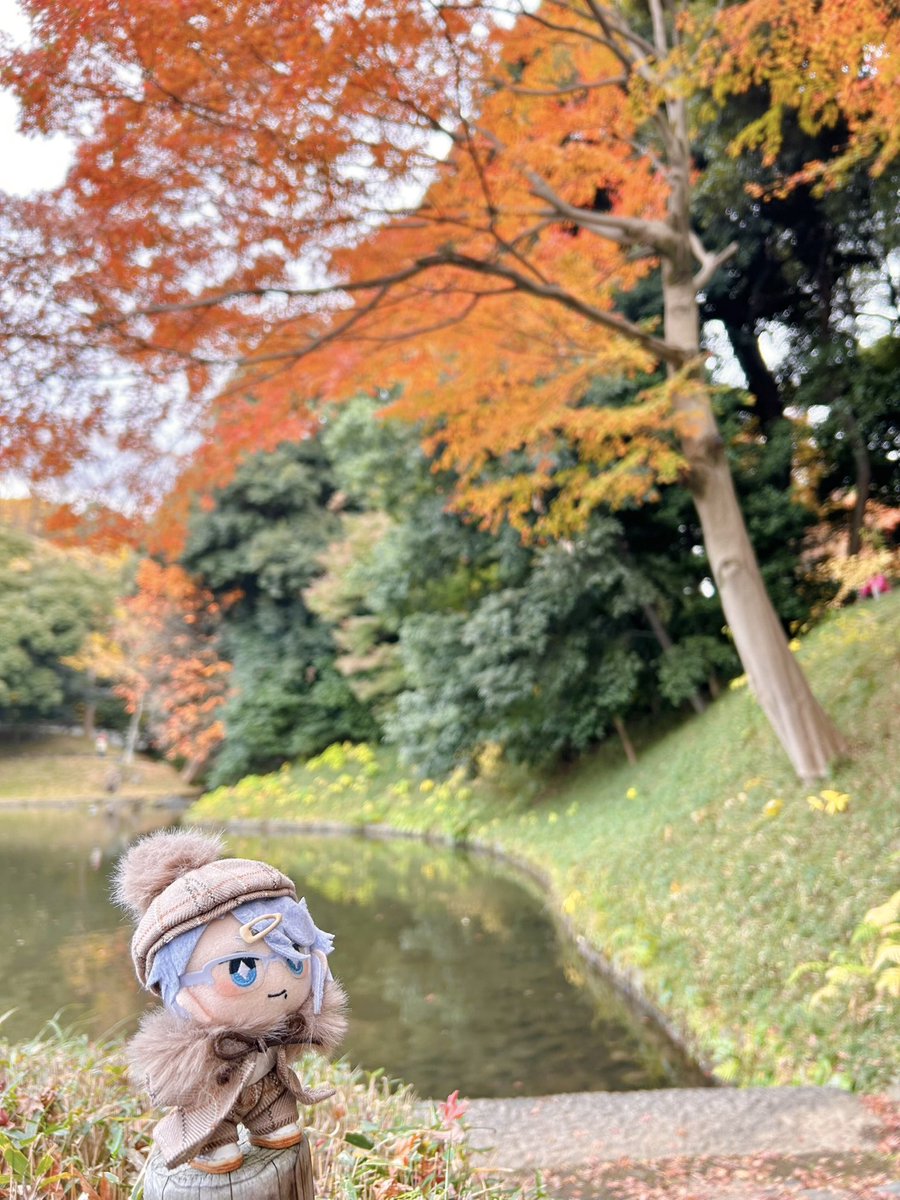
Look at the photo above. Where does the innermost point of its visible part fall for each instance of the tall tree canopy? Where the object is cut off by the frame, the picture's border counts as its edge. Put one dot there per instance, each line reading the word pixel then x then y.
pixel 248 189
pixel 256 551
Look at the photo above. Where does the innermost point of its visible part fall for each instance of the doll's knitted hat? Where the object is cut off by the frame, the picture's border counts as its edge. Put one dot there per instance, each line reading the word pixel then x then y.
pixel 176 880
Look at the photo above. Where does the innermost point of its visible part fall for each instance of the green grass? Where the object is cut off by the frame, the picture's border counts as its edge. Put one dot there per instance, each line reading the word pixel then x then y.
pixel 71 1125
pixel 58 767
pixel 685 870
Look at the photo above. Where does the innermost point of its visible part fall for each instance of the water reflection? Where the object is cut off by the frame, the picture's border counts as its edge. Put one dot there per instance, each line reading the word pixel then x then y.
pixel 63 947
pixel 454 972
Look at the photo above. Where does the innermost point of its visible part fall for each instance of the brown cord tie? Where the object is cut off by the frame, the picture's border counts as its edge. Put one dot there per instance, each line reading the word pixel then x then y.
pixel 233 1046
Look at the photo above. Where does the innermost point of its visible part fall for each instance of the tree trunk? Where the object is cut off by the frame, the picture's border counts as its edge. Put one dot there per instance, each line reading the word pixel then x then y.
pixel 769 406
pixel 698 704
pixel 802 726
pixel 193 767
pixel 131 737
pixel 863 478
pixel 89 720
pixel 264 1175
pixel 627 744
pixel 654 620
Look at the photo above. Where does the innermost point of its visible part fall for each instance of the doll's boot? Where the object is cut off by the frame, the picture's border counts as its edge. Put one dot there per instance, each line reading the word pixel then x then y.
pixel 279 1139
pixel 220 1160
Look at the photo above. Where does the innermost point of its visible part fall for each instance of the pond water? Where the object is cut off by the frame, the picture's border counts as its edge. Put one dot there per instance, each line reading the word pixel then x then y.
pixel 455 972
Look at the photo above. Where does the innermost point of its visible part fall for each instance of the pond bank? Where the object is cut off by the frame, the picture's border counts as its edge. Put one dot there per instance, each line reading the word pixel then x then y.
pixel 627 982
pixel 705 872
pixel 719 1143
pixel 51 767
pixel 177 805
pixel 416 927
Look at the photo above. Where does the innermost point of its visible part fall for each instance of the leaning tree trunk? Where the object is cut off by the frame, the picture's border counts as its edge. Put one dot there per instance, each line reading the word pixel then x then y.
pixel 801 724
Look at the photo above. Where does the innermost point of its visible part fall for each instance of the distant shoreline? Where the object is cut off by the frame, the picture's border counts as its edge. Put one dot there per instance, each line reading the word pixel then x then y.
pixel 178 804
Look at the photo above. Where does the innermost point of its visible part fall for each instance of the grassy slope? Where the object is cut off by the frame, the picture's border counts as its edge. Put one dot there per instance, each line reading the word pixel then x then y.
pixel 689 883
pixel 67 768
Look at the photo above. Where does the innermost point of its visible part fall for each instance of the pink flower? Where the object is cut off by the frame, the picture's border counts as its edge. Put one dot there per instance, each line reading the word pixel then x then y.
pixel 876 586
pixel 452 1109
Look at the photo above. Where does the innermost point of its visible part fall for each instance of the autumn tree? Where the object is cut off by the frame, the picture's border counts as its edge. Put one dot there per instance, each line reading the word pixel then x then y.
pixel 248 190
pixel 163 655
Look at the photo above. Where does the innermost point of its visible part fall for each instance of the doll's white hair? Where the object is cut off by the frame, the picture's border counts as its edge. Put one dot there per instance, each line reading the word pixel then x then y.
pixel 297 928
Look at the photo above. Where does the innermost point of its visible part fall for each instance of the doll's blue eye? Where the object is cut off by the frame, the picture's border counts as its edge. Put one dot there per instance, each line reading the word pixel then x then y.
pixel 242 971
pixel 295 965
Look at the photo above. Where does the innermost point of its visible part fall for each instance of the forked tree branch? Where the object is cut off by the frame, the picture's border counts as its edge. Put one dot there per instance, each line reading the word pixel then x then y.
pixel 383 285
pixel 710 261
pixel 631 231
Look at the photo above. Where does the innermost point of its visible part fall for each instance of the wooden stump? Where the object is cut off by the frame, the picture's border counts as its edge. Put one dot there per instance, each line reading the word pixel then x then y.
pixel 265 1175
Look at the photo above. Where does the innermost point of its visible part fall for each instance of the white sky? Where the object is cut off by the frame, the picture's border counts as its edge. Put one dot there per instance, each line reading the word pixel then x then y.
pixel 29 164
pixel 26 164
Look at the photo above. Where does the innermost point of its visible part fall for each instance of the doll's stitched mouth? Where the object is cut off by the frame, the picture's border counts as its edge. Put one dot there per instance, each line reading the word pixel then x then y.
pixel 275 995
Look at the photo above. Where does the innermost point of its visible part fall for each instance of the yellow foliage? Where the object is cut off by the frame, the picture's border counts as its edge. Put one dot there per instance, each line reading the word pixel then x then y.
pixel 854 572
pixel 830 802
pixel 884 914
pixel 488 759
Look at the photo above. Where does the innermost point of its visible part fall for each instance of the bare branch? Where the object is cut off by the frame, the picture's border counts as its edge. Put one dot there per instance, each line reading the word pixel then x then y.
pixel 616 33
pixel 660 34
pixel 382 286
pixel 709 263
pixel 632 231
pixel 553 292
pixel 291 293
pixel 613 81
pixel 612 23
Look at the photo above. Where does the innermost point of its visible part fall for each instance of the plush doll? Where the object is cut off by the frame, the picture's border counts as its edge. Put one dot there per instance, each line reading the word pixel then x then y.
pixel 243 975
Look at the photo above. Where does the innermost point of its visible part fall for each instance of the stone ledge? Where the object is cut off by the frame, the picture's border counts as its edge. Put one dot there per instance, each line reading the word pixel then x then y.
pixel 578 1128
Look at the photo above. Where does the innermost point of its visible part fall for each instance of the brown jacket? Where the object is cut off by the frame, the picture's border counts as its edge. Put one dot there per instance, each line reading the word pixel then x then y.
pixel 200 1070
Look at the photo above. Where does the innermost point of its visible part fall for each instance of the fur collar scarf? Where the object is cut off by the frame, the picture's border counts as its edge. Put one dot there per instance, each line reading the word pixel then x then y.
pixel 176 1059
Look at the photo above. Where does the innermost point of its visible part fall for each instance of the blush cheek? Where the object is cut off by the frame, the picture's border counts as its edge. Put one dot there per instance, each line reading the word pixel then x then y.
pixel 225 988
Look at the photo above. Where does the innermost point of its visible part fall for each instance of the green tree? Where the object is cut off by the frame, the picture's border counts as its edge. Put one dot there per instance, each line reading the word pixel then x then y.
pixel 858 440
pixel 806 261
pixel 497 640
pixel 50 600
pixel 257 550
pixel 543 669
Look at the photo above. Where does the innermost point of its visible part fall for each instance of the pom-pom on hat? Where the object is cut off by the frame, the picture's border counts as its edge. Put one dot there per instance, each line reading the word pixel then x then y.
pixel 176 880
